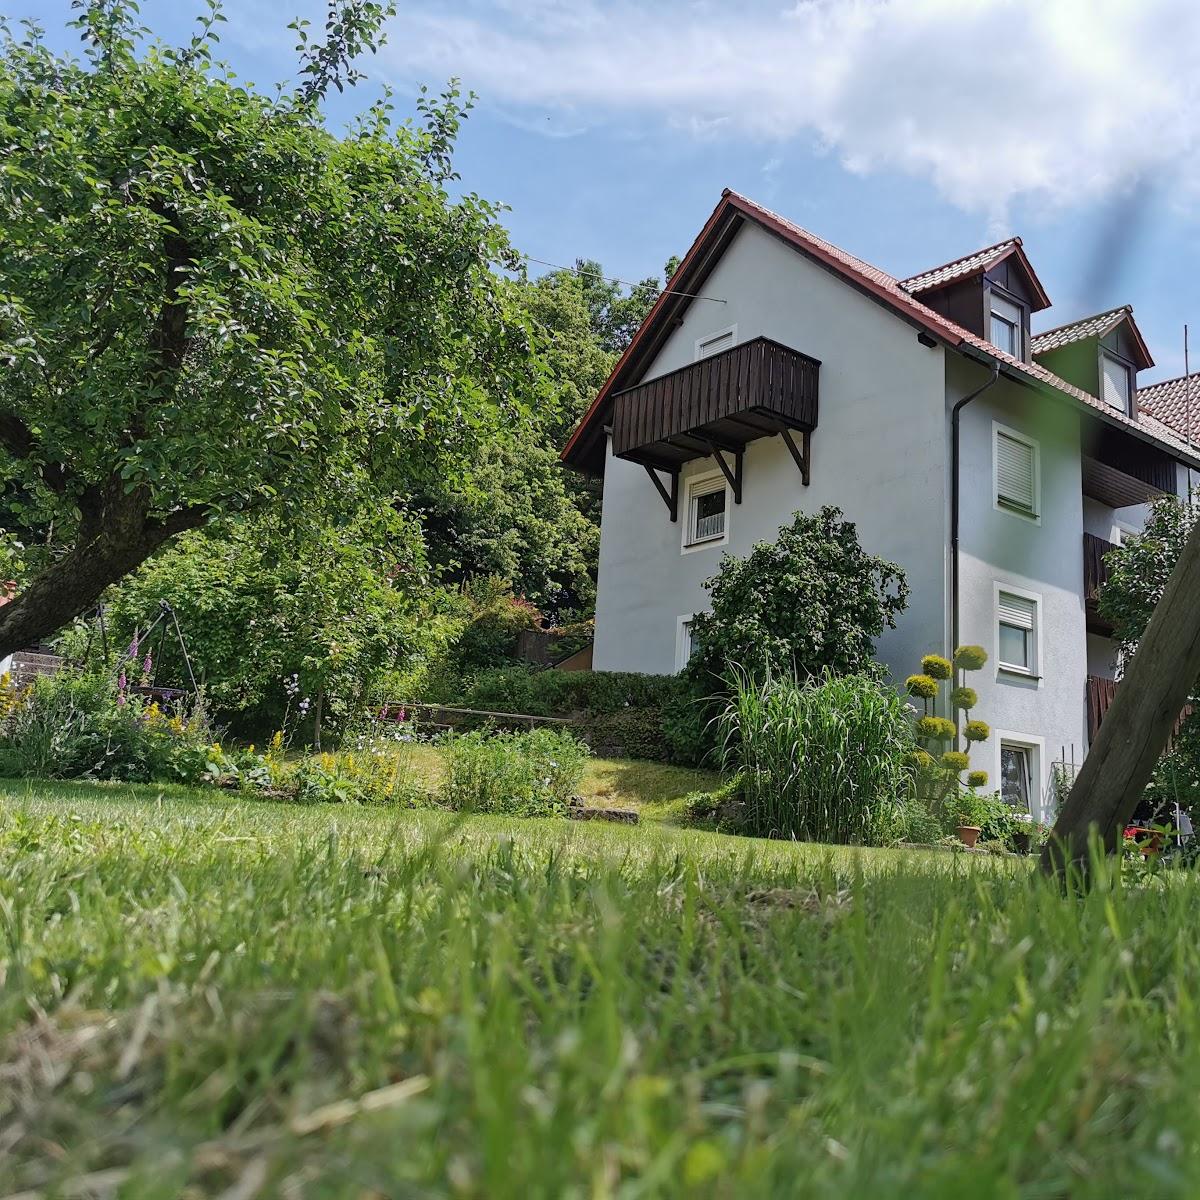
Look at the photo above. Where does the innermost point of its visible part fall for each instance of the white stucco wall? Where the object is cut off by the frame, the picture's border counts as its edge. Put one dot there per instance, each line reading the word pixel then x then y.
pixel 1000 549
pixel 878 453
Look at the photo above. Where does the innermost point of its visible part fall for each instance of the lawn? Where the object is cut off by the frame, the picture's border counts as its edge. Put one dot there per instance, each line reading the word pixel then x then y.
pixel 653 789
pixel 206 996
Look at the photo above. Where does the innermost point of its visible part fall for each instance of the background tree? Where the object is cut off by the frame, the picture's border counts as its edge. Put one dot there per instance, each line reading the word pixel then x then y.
pixel 335 606
pixel 1138 570
pixel 210 305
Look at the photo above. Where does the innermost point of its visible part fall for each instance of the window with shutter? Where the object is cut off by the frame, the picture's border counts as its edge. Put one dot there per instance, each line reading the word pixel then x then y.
pixel 1008 322
pixel 1115 379
pixel 1016 636
pixel 714 343
pixel 1016 473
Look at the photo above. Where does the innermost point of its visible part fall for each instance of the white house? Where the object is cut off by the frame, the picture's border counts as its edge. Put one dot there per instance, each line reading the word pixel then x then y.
pixel 778 373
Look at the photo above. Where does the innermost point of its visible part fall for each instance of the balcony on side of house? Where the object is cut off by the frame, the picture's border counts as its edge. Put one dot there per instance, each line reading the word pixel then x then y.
pixel 1120 469
pixel 1095 576
pixel 719 404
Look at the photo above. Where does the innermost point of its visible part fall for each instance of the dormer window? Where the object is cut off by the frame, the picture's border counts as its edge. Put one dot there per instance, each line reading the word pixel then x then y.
pixel 1007 324
pixel 1116 382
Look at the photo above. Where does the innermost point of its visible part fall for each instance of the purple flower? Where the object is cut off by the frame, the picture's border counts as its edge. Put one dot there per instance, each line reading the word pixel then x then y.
pixel 147 664
pixel 122 682
pixel 132 652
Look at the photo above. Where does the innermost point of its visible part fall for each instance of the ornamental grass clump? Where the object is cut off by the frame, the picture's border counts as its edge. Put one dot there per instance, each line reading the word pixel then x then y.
pixel 822 761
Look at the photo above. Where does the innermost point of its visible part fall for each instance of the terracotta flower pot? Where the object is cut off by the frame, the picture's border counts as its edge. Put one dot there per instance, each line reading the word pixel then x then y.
pixel 968 835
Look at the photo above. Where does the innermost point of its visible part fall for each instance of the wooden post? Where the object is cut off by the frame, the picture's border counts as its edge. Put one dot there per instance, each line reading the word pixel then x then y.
pixel 1137 726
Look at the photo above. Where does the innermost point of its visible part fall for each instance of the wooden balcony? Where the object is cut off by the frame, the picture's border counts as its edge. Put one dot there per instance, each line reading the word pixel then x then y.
pixel 1095 575
pixel 1100 695
pixel 1120 470
pixel 718 405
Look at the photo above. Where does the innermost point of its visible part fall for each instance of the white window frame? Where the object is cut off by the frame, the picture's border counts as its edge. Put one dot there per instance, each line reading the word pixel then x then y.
pixel 1017 326
pixel 1117 360
pixel 683 640
pixel 1037 758
pixel 703 484
pixel 1034 670
pixel 730 331
pixel 1035 517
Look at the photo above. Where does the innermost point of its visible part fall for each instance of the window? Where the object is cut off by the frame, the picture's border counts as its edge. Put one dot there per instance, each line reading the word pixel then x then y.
pixel 685 643
pixel 1115 382
pixel 707 512
pixel 1016 632
pixel 1016 775
pixel 714 343
pixel 1016 472
pixel 1008 322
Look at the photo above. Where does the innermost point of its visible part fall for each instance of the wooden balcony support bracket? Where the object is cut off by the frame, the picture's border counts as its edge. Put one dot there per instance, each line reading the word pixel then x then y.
pixel 803 457
pixel 733 477
pixel 671 497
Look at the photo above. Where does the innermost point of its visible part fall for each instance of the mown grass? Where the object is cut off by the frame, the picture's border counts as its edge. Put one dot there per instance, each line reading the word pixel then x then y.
pixel 200 994
pixel 654 789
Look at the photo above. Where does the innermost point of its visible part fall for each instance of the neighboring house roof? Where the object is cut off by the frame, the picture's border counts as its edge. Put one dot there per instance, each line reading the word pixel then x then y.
pixel 1097 326
pixel 1172 402
pixel 977 263
pixel 699 261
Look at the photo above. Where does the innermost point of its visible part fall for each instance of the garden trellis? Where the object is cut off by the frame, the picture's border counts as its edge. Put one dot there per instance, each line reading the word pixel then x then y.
pixel 164 625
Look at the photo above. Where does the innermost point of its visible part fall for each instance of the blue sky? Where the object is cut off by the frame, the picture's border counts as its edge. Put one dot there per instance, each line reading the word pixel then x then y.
pixel 907 131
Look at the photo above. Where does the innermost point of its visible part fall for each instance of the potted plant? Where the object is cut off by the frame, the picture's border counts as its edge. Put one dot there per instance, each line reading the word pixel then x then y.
pixel 971 814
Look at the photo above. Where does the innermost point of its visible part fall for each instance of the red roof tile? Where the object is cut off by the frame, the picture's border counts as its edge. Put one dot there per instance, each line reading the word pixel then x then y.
pixel 887 289
pixel 1172 402
pixel 969 264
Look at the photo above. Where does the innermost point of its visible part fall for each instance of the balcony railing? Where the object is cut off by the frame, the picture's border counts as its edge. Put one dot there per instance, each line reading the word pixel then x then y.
pixel 1100 695
pixel 1095 569
pixel 722 402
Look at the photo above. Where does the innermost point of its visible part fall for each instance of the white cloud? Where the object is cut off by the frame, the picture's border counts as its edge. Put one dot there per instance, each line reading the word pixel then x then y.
pixel 989 99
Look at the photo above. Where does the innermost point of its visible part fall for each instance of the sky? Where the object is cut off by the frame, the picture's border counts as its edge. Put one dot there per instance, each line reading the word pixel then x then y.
pixel 909 132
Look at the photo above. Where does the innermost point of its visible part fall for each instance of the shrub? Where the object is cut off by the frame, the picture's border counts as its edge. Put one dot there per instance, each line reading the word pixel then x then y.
pixel 811 601
pixel 935 729
pixel 964 697
pixel 924 687
pixel 955 760
pixel 532 774
pixel 977 731
pixel 970 658
pixel 977 779
pixel 821 761
pixel 936 667
pixel 489 638
pixel 77 724
pixel 567 693
pixel 355 777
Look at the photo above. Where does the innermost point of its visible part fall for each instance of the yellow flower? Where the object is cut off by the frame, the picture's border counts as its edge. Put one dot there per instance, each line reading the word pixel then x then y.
pixel 250 748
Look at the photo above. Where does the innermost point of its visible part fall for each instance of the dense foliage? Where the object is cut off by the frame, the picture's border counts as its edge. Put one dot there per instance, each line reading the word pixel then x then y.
pixel 811 601
pixel 1138 570
pixel 530 774
pixel 210 304
pixel 819 760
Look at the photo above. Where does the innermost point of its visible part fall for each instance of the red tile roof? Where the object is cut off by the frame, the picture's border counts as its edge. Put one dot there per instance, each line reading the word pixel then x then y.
pixel 975 264
pixel 1172 402
pixel 1097 326
pixel 884 287
pixel 969 264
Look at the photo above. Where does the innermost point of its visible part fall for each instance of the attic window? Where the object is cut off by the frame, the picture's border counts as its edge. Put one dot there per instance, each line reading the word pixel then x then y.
pixel 1116 382
pixel 1008 322
pixel 714 343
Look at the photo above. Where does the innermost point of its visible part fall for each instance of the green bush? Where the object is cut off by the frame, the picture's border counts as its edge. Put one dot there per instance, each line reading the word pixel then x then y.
pixel 498 618
pixel 354 777
pixel 822 761
pixel 532 774
pixel 567 693
pixel 76 724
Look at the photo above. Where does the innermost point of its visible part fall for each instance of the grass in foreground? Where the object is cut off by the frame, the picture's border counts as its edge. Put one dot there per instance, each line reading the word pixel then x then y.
pixel 201 995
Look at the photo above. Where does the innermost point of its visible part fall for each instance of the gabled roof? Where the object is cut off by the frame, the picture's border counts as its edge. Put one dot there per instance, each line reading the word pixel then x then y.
pixel 585 449
pixel 977 263
pixel 1172 402
pixel 1098 326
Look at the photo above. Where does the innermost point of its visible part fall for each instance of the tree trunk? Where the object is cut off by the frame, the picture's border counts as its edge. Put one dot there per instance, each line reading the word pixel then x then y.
pixel 318 712
pixel 1138 724
pixel 116 535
